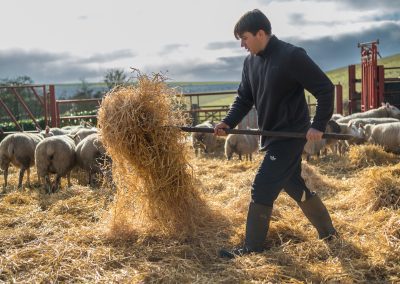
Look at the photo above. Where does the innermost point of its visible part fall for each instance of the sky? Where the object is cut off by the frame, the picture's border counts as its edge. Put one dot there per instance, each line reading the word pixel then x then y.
pixel 60 41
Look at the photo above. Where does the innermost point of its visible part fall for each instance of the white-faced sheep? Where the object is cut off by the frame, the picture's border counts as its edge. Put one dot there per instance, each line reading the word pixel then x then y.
pixel 53 131
pixel 241 145
pixel 386 135
pixel 82 133
pixel 55 155
pixel 315 147
pixel 357 133
pixel 336 116
pixel 19 150
pixel 372 120
pixel 386 110
pixel 92 157
pixel 204 141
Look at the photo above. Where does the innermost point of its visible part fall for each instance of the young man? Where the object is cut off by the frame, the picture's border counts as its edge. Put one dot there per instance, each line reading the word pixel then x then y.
pixel 274 77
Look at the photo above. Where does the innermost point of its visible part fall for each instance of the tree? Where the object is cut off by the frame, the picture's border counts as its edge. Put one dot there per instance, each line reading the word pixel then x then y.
pixel 84 92
pixel 115 77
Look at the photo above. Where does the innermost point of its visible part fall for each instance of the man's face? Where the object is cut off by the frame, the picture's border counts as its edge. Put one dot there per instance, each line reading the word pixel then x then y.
pixel 252 43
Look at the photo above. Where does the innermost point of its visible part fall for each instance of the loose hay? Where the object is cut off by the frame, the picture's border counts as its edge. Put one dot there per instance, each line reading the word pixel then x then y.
pixel 59 243
pixel 381 187
pixel 154 180
pixel 370 155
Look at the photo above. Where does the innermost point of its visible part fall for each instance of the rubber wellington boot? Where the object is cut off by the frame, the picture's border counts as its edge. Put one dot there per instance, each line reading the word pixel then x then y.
pixel 258 218
pixel 318 215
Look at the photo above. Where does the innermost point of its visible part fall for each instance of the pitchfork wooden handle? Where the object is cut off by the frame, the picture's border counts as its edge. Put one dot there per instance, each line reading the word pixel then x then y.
pixel 265 133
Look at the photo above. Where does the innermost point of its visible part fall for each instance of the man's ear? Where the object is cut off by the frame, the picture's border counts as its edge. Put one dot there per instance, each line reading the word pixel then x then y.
pixel 260 33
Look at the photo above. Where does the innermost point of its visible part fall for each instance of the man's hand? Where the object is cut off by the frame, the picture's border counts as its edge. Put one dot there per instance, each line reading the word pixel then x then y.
pixel 314 134
pixel 218 129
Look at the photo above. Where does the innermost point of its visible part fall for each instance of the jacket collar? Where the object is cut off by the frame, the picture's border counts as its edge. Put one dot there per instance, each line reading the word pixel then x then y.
pixel 271 45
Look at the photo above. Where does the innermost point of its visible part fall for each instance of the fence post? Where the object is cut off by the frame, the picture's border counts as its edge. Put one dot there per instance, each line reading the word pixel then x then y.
pixel 53 107
pixel 339 98
pixel 352 89
pixel 195 114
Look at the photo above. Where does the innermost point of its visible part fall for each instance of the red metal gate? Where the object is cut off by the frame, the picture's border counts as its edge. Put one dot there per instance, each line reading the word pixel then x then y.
pixel 39 92
pixel 369 75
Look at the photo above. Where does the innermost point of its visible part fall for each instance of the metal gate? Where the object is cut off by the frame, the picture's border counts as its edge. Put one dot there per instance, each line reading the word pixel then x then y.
pixel 24 103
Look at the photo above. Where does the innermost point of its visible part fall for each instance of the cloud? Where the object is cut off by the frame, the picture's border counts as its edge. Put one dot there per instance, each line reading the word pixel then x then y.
pixel 297 19
pixel 367 4
pixel 45 67
pixel 108 57
pixel 223 69
pixel 170 48
pixel 328 52
pixel 331 53
pixel 355 4
pixel 82 18
pixel 222 45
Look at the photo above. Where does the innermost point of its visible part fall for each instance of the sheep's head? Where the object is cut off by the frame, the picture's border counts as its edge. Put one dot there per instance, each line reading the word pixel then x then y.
pixel 392 110
pixel 358 133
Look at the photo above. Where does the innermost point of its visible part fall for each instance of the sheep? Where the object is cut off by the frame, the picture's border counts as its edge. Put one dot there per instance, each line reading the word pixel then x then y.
pixel 82 133
pixel 55 155
pixel 241 145
pixel 336 116
pixel 386 110
pixel 74 128
pixel 372 120
pixel 204 141
pixel 91 155
pixel 367 130
pixel 357 132
pixel 18 149
pixel 387 135
pixel 315 147
pixel 59 131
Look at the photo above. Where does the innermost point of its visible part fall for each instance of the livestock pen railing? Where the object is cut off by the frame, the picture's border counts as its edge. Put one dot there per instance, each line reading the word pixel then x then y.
pixel 24 102
pixel 67 119
pixel 56 113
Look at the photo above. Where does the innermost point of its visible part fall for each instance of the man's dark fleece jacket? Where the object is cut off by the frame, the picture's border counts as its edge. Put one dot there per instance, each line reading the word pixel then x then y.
pixel 274 81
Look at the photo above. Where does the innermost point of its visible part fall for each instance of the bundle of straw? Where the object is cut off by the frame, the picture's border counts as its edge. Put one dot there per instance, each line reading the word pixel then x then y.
pixel 155 191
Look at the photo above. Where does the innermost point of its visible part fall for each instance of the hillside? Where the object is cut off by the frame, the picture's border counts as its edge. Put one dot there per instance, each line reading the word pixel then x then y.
pixel 339 75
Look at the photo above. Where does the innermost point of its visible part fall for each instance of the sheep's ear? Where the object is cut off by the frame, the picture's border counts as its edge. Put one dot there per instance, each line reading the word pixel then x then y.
pixel 387 105
pixel 361 126
pixel 38 129
pixel 72 136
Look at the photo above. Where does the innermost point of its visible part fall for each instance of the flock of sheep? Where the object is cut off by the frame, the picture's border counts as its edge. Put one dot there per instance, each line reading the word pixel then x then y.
pixel 379 126
pixel 54 151
pixel 58 150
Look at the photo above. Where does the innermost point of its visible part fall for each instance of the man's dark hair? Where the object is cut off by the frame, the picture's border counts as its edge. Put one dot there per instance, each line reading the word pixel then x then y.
pixel 252 22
